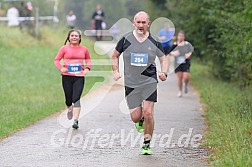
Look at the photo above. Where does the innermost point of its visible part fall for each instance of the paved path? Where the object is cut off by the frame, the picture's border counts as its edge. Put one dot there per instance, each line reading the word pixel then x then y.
pixel 107 137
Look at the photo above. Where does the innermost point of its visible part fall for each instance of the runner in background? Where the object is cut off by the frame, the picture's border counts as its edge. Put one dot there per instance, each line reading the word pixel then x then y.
pixel 165 36
pixel 98 18
pixel 73 72
pixel 182 52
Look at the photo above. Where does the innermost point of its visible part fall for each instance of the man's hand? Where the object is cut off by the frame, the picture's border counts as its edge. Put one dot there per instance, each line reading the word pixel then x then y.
pixel 162 38
pixel 117 75
pixel 162 76
pixel 63 69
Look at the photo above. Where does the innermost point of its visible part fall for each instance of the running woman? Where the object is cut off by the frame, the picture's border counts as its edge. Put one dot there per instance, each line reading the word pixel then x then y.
pixel 73 72
pixel 182 52
pixel 139 50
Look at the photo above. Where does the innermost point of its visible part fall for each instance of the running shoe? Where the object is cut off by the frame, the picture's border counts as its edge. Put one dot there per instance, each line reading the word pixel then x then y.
pixel 70 113
pixel 75 124
pixel 146 150
pixel 179 94
pixel 140 125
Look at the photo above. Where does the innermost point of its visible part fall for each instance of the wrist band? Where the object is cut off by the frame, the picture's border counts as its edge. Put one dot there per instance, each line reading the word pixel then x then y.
pixel 88 68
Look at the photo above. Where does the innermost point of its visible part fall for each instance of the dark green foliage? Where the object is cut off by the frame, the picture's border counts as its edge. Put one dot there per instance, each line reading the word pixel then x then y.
pixel 220 30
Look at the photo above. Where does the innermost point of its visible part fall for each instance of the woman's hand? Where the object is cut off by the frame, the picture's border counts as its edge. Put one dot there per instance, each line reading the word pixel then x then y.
pixel 188 55
pixel 175 53
pixel 63 69
pixel 86 71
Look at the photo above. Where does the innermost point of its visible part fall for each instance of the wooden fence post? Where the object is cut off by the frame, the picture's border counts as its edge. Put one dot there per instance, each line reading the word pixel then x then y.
pixel 37 22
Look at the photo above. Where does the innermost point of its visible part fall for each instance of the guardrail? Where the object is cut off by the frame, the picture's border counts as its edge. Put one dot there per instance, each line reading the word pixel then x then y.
pixel 41 18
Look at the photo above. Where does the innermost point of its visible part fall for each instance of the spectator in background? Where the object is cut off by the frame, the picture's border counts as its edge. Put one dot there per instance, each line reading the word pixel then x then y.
pixel 98 18
pixel 12 15
pixel 26 11
pixel 114 30
pixel 2 12
pixel 71 20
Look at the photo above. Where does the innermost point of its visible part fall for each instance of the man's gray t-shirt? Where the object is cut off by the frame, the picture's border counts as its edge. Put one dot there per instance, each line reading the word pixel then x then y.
pixel 139 59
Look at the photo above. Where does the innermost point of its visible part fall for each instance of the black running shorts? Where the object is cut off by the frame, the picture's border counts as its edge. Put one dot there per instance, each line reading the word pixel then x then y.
pixel 135 96
pixel 183 68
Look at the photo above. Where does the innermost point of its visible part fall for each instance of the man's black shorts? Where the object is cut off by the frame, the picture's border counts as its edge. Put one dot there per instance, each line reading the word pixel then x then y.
pixel 135 96
pixel 183 68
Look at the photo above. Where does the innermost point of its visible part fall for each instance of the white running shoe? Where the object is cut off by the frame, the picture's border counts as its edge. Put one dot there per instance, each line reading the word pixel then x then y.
pixel 179 94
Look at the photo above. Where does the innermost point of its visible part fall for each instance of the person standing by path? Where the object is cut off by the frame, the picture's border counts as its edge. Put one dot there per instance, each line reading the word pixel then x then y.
pixel 182 52
pixel 98 18
pixel 12 15
pixel 73 72
pixel 71 20
pixel 139 50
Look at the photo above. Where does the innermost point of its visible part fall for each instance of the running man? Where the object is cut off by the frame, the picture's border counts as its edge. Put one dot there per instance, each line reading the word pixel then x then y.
pixel 182 52
pixel 166 35
pixel 139 50
pixel 73 72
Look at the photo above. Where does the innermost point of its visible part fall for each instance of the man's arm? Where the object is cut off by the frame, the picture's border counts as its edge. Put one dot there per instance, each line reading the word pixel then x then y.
pixel 164 67
pixel 164 64
pixel 115 65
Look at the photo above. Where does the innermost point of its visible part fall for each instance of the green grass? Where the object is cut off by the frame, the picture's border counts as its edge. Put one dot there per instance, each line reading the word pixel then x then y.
pixel 229 117
pixel 30 84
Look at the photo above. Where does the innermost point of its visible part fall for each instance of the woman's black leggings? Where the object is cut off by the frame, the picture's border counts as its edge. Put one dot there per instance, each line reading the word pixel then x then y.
pixel 73 87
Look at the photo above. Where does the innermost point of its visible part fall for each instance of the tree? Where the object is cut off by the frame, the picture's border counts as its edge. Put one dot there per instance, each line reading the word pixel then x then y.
pixel 220 30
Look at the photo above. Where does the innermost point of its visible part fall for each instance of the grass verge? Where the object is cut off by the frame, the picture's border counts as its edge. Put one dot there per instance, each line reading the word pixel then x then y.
pixel 229 117
pixel 30 84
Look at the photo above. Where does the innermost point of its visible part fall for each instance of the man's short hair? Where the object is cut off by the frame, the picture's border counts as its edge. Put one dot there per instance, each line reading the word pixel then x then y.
pixel 142 12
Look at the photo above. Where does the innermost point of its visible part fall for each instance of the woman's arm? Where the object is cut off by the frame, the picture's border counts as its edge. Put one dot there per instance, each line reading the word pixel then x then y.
pixel 190 50
pixel 58 58
pixel 88 62
pixel 188 55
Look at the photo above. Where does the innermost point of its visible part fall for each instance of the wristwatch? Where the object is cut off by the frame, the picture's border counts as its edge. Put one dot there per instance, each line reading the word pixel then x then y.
pixel 88 68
